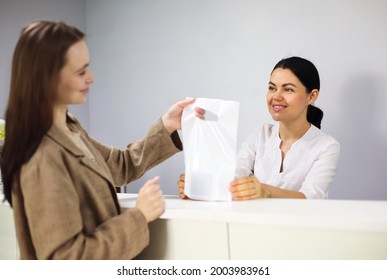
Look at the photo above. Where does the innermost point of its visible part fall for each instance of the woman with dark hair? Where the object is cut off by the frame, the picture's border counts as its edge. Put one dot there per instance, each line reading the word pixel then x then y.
pixel 60 182
pixel 292 158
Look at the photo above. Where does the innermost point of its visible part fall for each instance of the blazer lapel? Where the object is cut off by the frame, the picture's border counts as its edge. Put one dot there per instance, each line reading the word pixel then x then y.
pixel 64 141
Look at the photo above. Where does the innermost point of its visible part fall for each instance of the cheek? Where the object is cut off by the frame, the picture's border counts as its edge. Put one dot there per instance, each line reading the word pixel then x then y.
pixel 268 98
pixel 61 90
pixel 69 85
pixel 66 90
pixel 300 99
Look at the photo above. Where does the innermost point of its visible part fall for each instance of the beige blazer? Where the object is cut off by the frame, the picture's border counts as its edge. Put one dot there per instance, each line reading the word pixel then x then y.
pixel 65 205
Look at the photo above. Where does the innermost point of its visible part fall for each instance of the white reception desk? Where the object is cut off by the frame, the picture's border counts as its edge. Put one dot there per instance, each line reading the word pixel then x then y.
pixel 257 229
pixel 267 229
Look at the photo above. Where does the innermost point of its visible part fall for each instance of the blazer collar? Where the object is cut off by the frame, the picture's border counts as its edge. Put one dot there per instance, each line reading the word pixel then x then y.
pixel 60 137
pixel 99 167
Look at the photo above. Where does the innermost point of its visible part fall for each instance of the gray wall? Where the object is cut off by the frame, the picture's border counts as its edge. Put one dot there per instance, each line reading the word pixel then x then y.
pixel 149 54
pixel 146 55
pixel 14 15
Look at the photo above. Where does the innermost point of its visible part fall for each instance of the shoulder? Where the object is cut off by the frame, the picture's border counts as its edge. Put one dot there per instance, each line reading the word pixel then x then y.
pixel 320 139
pixel 46 157
pixel 55 146
pixel 266 130
pixel 262 135
pixel 48 149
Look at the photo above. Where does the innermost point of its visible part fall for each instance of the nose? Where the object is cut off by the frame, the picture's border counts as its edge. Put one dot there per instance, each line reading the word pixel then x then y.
pixel 278 95
pixel 90 78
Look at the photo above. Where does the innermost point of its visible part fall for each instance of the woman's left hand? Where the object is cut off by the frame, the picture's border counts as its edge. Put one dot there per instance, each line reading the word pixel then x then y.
pixel 172 118
pixel 248 188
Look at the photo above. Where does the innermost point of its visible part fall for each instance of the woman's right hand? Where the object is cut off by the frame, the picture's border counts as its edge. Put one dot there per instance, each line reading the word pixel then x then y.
pixel 180 184
pixel 150 200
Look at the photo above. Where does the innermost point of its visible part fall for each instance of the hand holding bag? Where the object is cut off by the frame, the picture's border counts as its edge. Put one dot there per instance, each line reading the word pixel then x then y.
pixel 210 149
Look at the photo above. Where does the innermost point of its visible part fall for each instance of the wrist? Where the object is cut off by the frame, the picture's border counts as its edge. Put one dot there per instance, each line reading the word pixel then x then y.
pixel 266 191
pixel 167 127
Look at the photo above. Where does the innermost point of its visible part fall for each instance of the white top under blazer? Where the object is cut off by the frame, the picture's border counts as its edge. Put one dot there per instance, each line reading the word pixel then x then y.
pixel 308 167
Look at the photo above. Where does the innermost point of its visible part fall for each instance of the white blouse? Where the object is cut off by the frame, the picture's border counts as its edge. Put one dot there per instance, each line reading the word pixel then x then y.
pixel 308 167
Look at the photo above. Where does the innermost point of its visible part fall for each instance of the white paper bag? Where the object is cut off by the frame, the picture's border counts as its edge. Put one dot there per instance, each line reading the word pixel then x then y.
pixel 210 149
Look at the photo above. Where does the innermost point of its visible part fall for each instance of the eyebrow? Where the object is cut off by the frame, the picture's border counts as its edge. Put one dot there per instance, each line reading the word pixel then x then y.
pixel 284 85
pixel 83 67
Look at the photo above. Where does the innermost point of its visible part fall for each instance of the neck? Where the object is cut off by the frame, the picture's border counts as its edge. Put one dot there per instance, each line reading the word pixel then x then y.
pixel 294 131
pixel 60 117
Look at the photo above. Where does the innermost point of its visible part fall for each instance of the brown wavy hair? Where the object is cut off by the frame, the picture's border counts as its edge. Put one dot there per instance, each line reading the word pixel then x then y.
pixel 39 56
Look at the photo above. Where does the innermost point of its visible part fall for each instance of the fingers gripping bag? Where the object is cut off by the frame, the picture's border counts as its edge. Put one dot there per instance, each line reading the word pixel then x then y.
pixel 210 149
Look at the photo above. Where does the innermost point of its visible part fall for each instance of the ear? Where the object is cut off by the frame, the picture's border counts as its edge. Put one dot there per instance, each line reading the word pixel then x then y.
pixel 313 96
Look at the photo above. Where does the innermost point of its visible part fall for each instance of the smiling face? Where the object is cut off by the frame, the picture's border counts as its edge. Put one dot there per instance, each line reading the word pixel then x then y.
pixel 75 77
pixel 287 98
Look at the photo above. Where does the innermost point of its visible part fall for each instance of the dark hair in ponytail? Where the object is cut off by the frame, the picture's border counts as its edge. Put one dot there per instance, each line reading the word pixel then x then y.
pixel 308 75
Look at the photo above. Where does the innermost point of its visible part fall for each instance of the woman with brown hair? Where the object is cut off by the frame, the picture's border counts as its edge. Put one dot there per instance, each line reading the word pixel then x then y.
pixel 60 181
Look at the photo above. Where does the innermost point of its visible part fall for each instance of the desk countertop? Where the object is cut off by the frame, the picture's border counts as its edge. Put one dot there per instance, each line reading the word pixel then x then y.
pixel 337 214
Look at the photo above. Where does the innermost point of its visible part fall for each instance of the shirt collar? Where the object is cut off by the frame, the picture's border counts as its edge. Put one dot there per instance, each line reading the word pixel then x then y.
pixel 309 134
